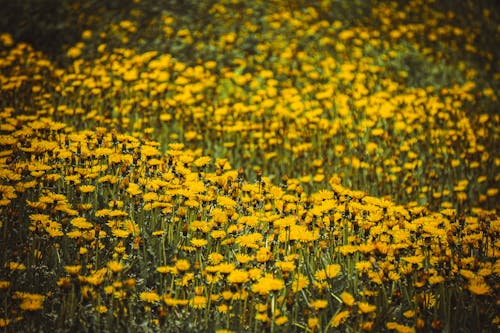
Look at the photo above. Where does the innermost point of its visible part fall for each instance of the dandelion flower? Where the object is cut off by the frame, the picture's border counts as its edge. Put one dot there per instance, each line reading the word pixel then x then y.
pixel 332 270
pixel 238 276
pixel 365 307
pixel 182 265
pixel 479 287
pixel 267 284
pixel 115 266
pixel 318 304
pixel 347 298
pixel 281 320
pixel 149 296
pixel 81 223
pixel 198 302
pixel 339 318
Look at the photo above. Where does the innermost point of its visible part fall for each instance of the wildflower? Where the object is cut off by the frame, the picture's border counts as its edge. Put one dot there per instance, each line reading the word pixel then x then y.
pixel 435 279
pixel 318 304
pixel 87 188
pixel 182 265
pixel 218 234
pixel 267 284
pixel 281 320
pixel 363 266
pixel 263 254
pixel 243 258
pixel 81 223
pixel 238 276
pixel 479 287
pixel 366 307
pixel 320 275
pixel 261 317
pixel 120 233
pixel 286 266
pixel 367 326
pixel 30 302
pixel 115 266
pixel 215 258
pixel 339 318
pixel 399 327
pixel 198 302
pixel 101 308
pixel 202 161
pixel 73 270
pixel 312 323
pixel 347 298
pixel 249 240
pixel 299 282
pixel 198 242
pixel 415 260
pixel 332 271
pixel 4 322
pixel 149 296
pixel 409 314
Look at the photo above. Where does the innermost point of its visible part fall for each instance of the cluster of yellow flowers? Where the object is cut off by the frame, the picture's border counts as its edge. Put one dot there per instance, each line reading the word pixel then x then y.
pixel 248 193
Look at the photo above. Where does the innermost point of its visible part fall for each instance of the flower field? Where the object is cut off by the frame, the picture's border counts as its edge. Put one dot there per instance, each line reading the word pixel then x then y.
pixel 252 166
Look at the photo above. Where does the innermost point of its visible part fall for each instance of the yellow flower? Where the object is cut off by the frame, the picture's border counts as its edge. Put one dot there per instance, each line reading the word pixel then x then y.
pixel 115 266
pixel 198 242
pixel 238 276
pixel 320 275
pixel 262 317
pixel 363 266
pixel 318 304
pixel 202 161
pixel 479 287
pixel 87 188
pixel 167 269
pixel 436 279
pixel 415 260
pixel 286 266
pixel 81 223
pixel 249 240
pixel 4 322
pixel 312 323
pixel 73 270
pixel 281 320
pixel 267 284
pixel 347 298
pixel 399 327
pixel 339 318
pixel 101 309
pixel 30 302
pixel 366 307
pixel 215 258
pixel 198 302
pixel 149 296
pixel 409 314
pixel 263 254
pixel 332 270
pixel 243 258
pixel 182 265
pixel 16 266
pixel 299 282
pixel 120 233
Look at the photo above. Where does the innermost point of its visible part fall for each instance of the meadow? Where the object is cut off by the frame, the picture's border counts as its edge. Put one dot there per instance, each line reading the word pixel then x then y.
pixel 250 166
